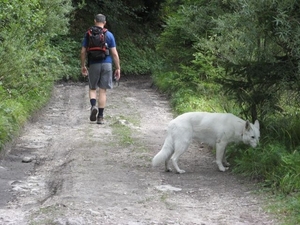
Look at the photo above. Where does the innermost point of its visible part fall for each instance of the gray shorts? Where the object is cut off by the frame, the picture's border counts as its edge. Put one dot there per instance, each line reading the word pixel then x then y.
pixel 100 75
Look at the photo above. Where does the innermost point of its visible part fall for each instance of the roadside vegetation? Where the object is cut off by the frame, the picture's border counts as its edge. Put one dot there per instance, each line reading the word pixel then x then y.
pixel 241 57
pixel 30 59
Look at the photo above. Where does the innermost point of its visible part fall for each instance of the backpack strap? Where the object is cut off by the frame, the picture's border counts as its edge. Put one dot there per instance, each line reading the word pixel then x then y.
pixel 89 31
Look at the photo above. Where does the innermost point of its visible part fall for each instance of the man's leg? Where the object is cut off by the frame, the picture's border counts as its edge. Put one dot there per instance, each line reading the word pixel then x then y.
pixel 101 105
pixel 93 94
pixel 104 84
pixel 93 97
pixel 94 71
pixel 94 110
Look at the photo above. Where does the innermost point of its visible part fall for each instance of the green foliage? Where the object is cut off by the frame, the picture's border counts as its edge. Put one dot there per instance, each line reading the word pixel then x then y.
pixel 183 29
pixel 284 129
pixel 176 41
pixel 138 58
pixel 69 54
pixel 132 24
pixel 118 15
pixel 192 90
pixel 233 56
pixel 272 163
pixel 287 207
pixel 29 63
pixel 57 16
pixel 189 70
pixel 257 51
pixel 124 134
pixel 240 57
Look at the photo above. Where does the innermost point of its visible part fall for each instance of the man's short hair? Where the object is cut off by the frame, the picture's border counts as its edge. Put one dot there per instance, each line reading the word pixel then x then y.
pixel 100 18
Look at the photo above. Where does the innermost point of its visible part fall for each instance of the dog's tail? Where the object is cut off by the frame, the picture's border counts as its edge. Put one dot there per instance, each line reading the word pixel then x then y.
pixel 165 152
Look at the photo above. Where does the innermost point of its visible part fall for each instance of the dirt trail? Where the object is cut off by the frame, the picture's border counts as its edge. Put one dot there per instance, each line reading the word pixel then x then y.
pixel 83 173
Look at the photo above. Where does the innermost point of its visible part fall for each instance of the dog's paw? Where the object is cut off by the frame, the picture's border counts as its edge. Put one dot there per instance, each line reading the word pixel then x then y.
pixel 180 171
pixel 168 170
pixel 222 168
pixel 226 164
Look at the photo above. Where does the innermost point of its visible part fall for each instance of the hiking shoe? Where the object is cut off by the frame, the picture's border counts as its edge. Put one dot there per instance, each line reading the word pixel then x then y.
pixel 100 120
pixel 94 112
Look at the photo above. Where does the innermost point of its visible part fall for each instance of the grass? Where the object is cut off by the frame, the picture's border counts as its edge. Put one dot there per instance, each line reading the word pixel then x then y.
pixel 287 208
pixel 122 129
pixel 122 133
pixel 46 212
pixel 14 112
pixel 126 136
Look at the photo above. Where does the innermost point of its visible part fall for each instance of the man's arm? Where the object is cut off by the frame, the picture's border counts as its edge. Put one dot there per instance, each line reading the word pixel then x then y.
pixel 115 56
pixel 82 59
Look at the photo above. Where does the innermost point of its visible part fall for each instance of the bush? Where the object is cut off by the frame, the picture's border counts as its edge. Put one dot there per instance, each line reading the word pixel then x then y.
pixel 138 55
pixel 271 164
pixel 29 63
pixel 69 50
pixel 284 128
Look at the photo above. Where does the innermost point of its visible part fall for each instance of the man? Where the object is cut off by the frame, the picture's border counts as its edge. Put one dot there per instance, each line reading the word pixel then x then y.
pixel 100 71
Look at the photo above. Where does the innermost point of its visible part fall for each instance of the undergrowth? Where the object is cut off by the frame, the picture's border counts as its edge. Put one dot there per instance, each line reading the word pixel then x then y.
pixel 274 164
pixel 138 58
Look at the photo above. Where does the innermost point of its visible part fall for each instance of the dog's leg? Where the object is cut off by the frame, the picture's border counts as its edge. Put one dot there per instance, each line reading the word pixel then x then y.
pixel 180 148
pixel 174 161
pixel 167 168
pixel 220 148
pixel 225 163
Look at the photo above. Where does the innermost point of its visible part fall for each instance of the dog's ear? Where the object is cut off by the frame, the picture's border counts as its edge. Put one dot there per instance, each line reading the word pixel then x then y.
pixel 247 126
pixel 256 124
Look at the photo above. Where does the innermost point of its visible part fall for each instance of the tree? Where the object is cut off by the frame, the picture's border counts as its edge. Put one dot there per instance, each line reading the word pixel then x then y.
pixel 258 45
pixel 185 23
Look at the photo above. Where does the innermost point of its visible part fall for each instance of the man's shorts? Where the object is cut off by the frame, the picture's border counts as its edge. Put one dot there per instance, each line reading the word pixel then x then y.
pixel 100 75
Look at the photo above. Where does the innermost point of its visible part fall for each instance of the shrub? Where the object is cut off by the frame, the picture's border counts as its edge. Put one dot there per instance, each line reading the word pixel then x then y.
pixel 272 164
pixel 29 63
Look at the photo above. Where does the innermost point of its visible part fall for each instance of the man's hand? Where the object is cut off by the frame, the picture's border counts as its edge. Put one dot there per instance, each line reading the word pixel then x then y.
pixel 84 71
pixel 117 74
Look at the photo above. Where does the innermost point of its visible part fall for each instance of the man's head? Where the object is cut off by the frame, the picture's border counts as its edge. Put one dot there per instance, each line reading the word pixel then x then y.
pixel 100 18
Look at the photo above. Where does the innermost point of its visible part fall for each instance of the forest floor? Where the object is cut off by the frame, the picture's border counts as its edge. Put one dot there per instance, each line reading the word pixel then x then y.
pixel 65 170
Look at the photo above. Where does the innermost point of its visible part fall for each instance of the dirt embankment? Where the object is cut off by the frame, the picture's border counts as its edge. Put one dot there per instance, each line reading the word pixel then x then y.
pixel 78 172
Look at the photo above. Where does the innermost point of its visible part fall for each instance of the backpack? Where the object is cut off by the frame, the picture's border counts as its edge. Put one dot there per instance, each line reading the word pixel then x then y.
pixel 97 47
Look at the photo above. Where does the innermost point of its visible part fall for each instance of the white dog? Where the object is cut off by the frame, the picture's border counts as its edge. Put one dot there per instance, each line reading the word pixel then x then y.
pixel 214 129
